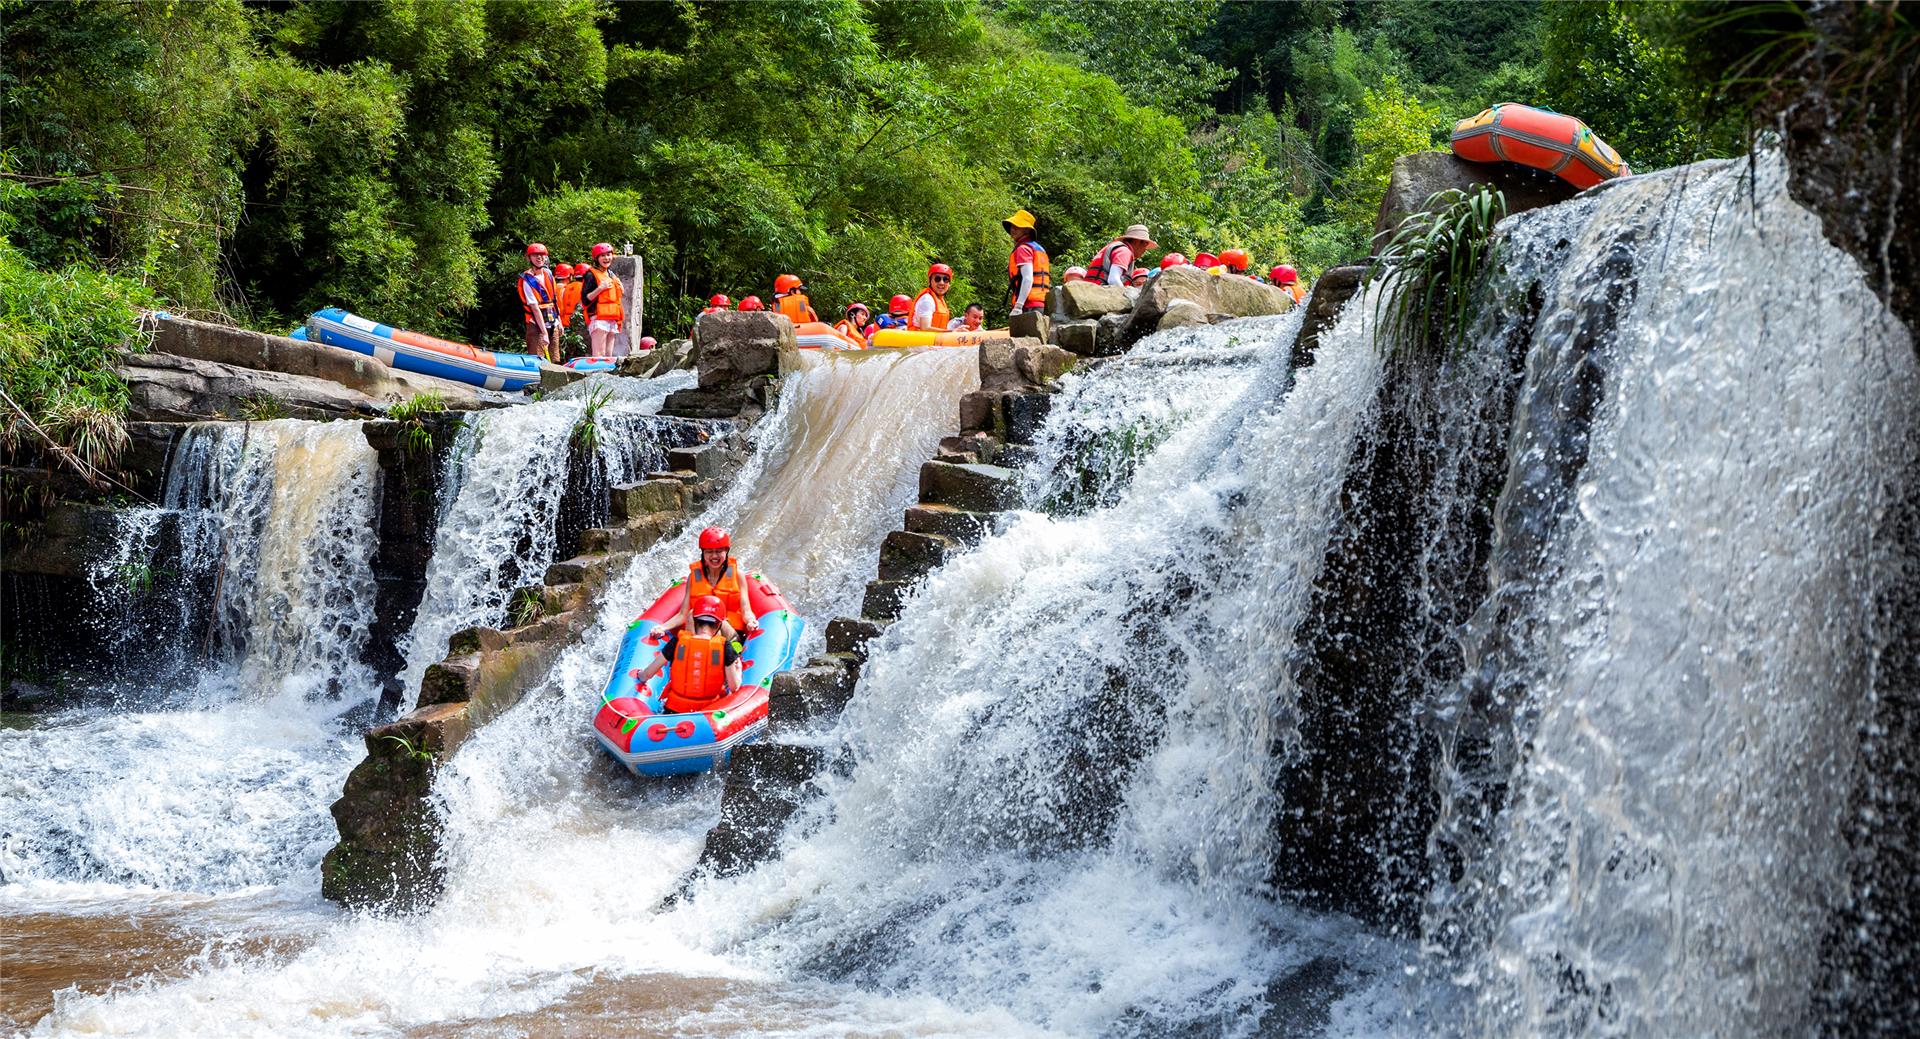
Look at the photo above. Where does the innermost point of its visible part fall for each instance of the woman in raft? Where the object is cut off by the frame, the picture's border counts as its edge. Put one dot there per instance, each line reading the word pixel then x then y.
pixel 719 575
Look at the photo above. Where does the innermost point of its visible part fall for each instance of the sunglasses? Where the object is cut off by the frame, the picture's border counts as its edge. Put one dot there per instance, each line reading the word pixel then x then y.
pixel 941 277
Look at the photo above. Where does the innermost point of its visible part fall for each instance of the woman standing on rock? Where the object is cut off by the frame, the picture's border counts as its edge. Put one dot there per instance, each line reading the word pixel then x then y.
pixel 601 295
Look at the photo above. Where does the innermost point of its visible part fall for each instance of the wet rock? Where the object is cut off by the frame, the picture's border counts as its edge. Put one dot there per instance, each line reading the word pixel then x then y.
pixel 260 351
pixel 1330 293
pixel 1040 363
pixel 706 461
pixel 766 782
pixel 1110 335
pixel 1084 300
pixel 452 680
pixel 807 694
pixel 735 347
pixel 1080 337
pixel 997 372
pixel 976 488
pixel 1175 283
pixel 884 599
pixel 558 377
pixel 166 388
pixel 1417 176
pixel 649 496
pixel 959 525
pixel 388 850
pixel 906 555
pixel 1182 314
pixel 1235 296
pixel 850 635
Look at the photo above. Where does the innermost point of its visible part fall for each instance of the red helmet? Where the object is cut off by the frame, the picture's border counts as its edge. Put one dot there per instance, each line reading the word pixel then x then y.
pixel 1235 259
pixel 535 249
pixel 648 342
pixel 602 249
pixel 709 608
pixel 859 306
pixel 899 305
pixel 752 303
pixel 1076 274
pixel 563 270
pixel 939 268
pixel 720 299
pixel 1172 260
pixel 785 283
pixel 1205 260
pixel 715 537
pixel 1284 275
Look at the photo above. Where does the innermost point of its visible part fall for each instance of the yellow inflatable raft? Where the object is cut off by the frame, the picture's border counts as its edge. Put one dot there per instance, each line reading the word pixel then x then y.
pixel 902 337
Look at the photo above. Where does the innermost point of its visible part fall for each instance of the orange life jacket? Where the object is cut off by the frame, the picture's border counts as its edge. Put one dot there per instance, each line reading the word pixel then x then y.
pixel 941 316
pixel 1293 289
pixel 1042 278
pixel 569 299
pixel 849 328
pixel 795 308
pixel 731 589
pixel 699 674
pixel 1097 267
pixel 606 306
pixel 537 295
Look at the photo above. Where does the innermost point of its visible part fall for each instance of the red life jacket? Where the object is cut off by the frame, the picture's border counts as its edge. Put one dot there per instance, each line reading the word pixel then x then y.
pixel 699 673
pixel 1097 267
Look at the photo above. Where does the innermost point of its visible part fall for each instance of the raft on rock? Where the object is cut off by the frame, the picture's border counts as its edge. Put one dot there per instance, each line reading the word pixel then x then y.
pixel 899 337
pixel 1542 139
pixel 422 354
pixel 633 722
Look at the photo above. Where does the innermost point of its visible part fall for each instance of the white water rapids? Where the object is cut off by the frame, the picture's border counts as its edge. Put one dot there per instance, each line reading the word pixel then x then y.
pixel 1052 805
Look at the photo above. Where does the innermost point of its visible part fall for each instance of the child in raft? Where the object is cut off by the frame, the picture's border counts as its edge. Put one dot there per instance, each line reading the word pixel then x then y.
pixel 970 320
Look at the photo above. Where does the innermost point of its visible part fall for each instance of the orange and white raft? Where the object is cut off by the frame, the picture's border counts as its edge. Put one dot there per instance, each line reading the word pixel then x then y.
pixel 1542 139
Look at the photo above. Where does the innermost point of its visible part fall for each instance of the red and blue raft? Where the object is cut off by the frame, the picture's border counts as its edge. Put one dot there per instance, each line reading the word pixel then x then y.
pixel 632 722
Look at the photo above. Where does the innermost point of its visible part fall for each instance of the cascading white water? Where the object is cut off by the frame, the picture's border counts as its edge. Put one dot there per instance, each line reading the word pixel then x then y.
pixel 500 500
pixel 225 786
pixel 555 858
pixel 1686 650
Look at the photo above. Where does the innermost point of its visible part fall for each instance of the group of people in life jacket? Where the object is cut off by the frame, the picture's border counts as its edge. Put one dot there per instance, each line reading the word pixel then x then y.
pixel 1029 284
pixel 552 297
pixel 703 644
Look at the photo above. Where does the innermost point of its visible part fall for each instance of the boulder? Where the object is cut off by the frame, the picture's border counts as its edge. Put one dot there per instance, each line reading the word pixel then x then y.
pixel 906 555
pixel 997 371
pixel 1330 293
pixel 1031 325
pixel 169 388
pixel 1237 296
pixel 1079 337
pixel 1188 283
pixel 633 500
pixel 260 351
pixel 850 635
pixel 1417 176
pixel 1182 313
pixel 1083 299
pixel 1040 363
pixel 958 525
pixel 736 347
pixel 975 488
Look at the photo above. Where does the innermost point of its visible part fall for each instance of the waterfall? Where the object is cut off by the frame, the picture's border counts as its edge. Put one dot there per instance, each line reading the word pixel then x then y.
pixel 218 776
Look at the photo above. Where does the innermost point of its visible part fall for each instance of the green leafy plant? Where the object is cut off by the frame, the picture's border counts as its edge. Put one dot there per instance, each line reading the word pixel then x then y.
pixel 411 414
pixel 586 432
pixel 1432 265
pixel 409 749
pixel 140 577
pixel 262 408
pixel 527 606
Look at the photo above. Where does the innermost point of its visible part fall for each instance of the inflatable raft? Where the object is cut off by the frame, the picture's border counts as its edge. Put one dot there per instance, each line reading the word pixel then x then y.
pixel 593 364
pixel 903 337
pixel 423 354
pixel 1544 140
pixel 818 335
pixel 633 723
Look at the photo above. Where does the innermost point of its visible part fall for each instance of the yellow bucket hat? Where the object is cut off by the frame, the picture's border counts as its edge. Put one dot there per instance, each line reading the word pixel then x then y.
pixel 1020 218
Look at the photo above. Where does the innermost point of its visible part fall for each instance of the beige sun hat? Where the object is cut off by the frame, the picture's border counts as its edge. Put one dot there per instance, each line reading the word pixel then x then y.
pixel 1139 231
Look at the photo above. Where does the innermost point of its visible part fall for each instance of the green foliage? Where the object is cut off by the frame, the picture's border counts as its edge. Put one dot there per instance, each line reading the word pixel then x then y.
pixel 411 414
pixel 1432 264
pixel 527 606
pixel 586 431
pixel 60 333
pixel 262 408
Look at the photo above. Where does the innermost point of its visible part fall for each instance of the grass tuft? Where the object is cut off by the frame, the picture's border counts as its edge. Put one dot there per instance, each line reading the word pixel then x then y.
pixel 1435 259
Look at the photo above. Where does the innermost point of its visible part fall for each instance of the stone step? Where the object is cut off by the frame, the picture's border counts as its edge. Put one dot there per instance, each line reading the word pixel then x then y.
pixel 974 487
pixel 850 635
pixel 907 556
pixel 806 694
pixel 765 781
pixel 707 461
pixel 649 496
pixel 883 600
pixel 958 525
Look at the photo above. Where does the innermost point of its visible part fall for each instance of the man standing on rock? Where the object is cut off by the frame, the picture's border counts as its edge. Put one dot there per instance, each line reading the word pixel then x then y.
pixel 1113 264
pixel 1029 276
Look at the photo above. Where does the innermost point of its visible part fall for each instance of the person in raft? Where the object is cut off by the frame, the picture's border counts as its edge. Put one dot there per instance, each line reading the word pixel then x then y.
pixel 718 302
pixel 970 321
pixel 1029 276
pixel 855 323
pixel 717 573
pixel 930 307
pixel 540 302
pixel 600 293
pixel 896 315
pixel 790 300
pixel 1113 264
pixel 706 663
